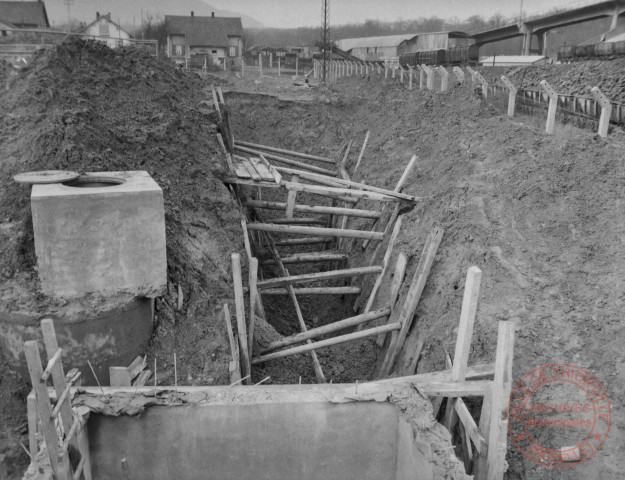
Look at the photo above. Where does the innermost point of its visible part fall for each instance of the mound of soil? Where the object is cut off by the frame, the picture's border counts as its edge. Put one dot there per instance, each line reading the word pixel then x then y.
pixel 84 107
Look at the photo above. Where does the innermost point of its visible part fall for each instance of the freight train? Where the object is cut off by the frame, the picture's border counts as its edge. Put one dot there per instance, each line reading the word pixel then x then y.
pixel 464 55
pixel 595 51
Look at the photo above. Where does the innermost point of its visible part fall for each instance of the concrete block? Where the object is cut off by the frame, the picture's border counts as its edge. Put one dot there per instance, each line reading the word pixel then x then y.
pixel 102 233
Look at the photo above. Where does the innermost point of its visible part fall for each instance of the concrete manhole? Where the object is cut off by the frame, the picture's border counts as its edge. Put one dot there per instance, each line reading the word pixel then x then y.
pixel 93 181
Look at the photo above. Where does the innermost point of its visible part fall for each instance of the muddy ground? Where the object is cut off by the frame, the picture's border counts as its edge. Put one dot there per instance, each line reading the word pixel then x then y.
pixel 540 215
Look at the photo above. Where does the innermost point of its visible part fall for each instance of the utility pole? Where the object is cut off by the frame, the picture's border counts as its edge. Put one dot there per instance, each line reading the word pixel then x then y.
pixel 325 37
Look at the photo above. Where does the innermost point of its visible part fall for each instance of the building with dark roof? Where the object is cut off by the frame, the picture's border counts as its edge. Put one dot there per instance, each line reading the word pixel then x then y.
pixel 24 14
pixel 216 38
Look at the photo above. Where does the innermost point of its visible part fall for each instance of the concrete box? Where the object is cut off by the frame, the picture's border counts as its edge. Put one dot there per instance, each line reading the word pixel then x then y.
pixel 102 233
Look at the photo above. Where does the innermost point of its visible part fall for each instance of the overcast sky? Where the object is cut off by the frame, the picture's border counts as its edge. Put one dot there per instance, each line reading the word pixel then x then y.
pixel 296 13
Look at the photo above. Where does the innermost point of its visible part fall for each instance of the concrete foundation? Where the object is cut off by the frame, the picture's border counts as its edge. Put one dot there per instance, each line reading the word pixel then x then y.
pixel 111 336
pixel 281 432
pixel 102 233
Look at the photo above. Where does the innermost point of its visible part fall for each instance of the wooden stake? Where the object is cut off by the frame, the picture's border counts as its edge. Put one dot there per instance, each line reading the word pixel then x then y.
pixel 235 373
pixel 253 279
pixel 240 312
pixel 362 152
pixel 465 334
pixel 406 314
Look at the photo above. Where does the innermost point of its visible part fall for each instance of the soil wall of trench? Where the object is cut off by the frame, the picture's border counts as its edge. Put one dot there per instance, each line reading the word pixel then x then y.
pixel 540 215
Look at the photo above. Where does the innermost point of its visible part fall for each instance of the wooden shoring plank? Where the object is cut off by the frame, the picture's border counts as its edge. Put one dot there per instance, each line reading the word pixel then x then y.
pixel 253 280
pixel 320 180
pixel 385 264
pixel 346 154
pixel 291 242
pixel 314 291
pixel 317 276
pixel 465 334
pixel 216 102
pixel 290 199
pixel 136 367
pixel 250 183
pixel 470 425
pixel 406 313
pixel 83 446
pixel 387 228
pixel 51 346
pixel 287 161
pixel 239 302
pixel 300 317
pixel 33 418
pixel 251 170
pixel 60 465
pixel 235 368
pixel 480 467
pixel 52 362
pixel 299 221
pixel 286 152
pixel 246 239
pixel 332 182
pixel 502 386
pixel 344 192
pixel 398 188
pixel 362 152
pixel 309 257
pixel 350 337
pixel 326 329
pixel 276 175
pixel 398 278
pixel 320 209
pixel 412 369
pixel 262 169
pixel 143 378
pixel 221 95
pixel 320 231
pixel 240 171
pixel 467 451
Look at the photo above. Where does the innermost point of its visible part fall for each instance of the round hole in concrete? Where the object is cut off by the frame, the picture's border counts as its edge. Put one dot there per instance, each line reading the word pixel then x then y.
pixel 93 181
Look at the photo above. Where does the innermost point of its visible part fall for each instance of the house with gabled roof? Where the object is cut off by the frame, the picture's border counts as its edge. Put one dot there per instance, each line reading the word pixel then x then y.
pixel 216 38
pixel 24 14
pixel 105 30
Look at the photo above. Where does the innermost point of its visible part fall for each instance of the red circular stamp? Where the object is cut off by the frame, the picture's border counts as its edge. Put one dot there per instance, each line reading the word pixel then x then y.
pixel 559 415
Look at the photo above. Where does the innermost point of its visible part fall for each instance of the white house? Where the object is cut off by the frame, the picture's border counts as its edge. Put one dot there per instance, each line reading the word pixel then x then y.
pixel 107 30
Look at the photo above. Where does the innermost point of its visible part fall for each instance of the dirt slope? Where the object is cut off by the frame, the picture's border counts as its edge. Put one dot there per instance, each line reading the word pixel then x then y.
pixel 87 108
pixel 540 215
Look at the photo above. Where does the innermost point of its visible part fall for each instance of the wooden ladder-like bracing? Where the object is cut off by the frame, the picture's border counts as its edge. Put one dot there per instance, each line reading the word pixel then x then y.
pixel 63 431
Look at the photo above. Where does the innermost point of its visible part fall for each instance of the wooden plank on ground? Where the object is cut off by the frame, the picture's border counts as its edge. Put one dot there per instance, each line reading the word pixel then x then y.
pixel 239 303
pixel 326 329
pixel 321 231
pixel 262 169
pixel 406 314
pixel 350 337
pixel 276 175
pixel 251 170
pixel 317 276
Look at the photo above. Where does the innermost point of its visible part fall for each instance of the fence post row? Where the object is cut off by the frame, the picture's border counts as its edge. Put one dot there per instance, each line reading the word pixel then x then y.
pixel 606 111
pixel 511 96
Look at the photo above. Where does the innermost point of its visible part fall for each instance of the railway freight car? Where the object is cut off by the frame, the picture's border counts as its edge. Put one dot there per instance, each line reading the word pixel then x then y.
pixel 595 51
pixel 440 48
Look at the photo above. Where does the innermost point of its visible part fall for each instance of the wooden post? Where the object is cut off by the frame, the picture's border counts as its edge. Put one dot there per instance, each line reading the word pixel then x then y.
pixel 444 78
pixel 260 64
pixel 606 111
pixel 502 386
pixel 459 74
pixel 553 105
pixel 253 279
pixel 290 201
pixel 59 463
pixel 362 152
pixel 482 81
pixel 410 72
pixel 297 66
pixel 401 74
pixel 421 77
pixel 385 69
pixel 239 303
pixel 465 333
pixel 511 96
pixel 279 65
pixel 234 367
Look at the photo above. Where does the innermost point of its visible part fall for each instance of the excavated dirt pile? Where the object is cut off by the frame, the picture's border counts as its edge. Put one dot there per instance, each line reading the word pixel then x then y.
pixel 540 215
pixel 567 79
pixel 84 107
